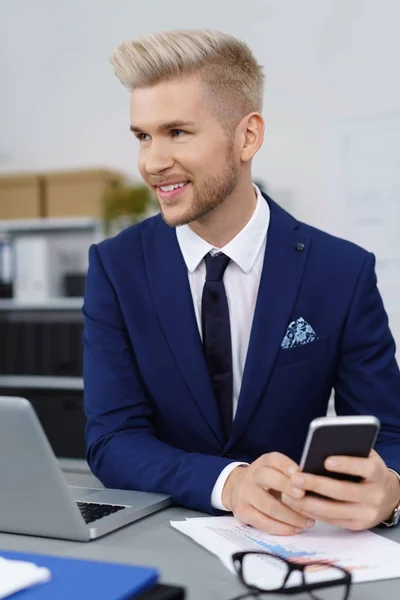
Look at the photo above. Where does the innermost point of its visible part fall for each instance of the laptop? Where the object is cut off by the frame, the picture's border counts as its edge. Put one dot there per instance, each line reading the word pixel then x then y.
pixel 35 498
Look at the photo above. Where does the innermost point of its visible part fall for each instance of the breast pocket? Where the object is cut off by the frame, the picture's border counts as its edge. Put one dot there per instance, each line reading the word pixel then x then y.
pixel 316 349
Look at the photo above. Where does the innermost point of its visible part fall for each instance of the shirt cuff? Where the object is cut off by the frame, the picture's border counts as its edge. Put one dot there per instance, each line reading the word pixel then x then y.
pixel 216 495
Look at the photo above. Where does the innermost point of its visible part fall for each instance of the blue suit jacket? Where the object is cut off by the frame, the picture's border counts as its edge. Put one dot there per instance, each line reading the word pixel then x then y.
pixel 152 420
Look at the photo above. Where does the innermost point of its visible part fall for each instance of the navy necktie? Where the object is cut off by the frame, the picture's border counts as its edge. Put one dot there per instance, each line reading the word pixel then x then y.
pixel 217 336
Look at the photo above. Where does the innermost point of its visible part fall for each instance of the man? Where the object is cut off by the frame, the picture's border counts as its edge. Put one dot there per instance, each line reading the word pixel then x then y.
pixel 215 332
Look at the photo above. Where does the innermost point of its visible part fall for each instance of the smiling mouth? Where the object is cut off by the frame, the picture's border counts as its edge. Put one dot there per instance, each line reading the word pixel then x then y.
pixel 172 186
pixel 170 192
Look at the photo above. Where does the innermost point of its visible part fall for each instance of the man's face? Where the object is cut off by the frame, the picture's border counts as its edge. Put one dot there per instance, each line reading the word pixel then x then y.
pixel 182 143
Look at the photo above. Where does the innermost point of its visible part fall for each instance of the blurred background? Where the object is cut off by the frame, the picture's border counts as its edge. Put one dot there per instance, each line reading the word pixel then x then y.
pixel 68 173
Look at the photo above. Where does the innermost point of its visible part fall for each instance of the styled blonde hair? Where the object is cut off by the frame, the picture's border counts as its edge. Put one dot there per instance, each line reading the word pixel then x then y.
pixel 232 77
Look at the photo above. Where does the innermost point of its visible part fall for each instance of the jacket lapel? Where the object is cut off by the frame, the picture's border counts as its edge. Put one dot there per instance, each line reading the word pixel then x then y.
pixel 282 272
pixel 170 290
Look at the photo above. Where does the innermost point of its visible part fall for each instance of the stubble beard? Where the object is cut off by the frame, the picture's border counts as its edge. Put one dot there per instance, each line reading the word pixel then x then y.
pixel 214 190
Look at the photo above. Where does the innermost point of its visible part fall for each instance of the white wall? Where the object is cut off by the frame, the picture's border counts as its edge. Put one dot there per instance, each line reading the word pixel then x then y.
pixel 61 106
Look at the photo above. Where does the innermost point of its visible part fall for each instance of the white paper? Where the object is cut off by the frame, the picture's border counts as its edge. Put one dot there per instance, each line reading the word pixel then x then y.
pixel 367 555
pixel 17 575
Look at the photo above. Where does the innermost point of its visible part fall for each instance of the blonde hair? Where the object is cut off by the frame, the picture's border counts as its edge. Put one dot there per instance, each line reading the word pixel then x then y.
pixel 231 75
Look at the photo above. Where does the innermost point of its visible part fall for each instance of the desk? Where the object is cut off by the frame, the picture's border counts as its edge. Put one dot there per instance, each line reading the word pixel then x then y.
pixel 152 541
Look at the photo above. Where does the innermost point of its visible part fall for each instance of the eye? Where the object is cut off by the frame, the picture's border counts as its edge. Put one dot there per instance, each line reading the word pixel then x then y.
pixel 143 137
pixel 177 132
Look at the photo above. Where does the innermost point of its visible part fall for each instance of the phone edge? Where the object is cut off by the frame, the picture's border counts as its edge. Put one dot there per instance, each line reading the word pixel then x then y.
pixel 320 422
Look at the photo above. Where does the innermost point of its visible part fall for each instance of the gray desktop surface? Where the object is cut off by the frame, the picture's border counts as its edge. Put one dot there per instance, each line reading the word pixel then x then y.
pixel 151 541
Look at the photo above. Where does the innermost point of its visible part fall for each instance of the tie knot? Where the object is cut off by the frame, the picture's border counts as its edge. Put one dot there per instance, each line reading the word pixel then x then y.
pixel 216 266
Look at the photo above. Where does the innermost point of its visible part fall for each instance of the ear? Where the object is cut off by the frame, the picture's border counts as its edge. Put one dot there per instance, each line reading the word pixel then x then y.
pixel 252 129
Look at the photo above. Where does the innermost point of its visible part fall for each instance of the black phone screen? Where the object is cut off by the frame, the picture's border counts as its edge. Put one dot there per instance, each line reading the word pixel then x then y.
pixel 338 440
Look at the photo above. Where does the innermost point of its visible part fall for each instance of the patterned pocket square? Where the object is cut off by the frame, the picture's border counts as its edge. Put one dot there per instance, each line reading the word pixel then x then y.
pixel 298 333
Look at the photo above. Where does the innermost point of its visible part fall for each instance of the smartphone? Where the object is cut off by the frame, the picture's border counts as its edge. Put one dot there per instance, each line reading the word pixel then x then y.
pixel 338 436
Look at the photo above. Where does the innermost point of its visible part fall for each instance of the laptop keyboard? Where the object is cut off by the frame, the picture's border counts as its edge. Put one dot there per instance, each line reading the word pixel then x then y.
pixel 92 511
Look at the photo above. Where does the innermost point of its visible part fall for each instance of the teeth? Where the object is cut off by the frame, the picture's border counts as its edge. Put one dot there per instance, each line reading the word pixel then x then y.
pixel 169 188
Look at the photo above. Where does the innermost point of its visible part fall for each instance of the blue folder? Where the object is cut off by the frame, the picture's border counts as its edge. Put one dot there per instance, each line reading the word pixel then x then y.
pixel 73 579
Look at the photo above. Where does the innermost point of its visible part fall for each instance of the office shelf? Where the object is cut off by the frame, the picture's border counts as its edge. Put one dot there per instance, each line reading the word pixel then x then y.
pixel 41 382
pixel 51 304
pixel 49 224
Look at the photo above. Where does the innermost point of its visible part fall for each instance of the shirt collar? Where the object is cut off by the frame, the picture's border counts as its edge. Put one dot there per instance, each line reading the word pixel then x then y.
pixel 244 247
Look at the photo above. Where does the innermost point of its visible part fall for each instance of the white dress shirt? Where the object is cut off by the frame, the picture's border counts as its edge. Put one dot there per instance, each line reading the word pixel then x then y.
pixel 241 281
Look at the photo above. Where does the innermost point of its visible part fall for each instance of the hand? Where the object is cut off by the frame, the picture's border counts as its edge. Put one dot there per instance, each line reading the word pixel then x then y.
pixel 355 506
pixel 253 494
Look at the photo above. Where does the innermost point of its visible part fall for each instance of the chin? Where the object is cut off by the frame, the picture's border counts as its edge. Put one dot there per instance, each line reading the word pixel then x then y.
pixel 176 218
pixel 174 222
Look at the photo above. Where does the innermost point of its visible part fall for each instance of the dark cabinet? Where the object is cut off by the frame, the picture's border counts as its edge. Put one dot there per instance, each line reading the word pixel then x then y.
pixel 61 415
pixel 48 344
pixel 41 360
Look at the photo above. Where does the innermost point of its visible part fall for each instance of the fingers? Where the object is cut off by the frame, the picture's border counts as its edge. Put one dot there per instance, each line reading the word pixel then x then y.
pixel 256 496
pixel 367 468
pixel 266 504
pixel 355 516
pixel 332 488
pixel 352 524
pixel 278 461
pixel 269 478
pixel 265 523
pixel 355 506
pixel 324 510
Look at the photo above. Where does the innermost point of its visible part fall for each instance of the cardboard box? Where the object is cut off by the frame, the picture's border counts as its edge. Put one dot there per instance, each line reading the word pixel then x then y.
pixel 78 193
pixel 20 196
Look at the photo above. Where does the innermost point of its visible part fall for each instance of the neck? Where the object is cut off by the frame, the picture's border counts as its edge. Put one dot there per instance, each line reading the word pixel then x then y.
pixel 222 224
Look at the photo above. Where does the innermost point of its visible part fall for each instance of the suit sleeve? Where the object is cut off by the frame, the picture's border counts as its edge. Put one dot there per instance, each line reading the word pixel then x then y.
pixel 368 377
pixel 123 450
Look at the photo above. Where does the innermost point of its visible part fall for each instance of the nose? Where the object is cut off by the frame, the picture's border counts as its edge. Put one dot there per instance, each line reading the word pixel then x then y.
pixel 157 158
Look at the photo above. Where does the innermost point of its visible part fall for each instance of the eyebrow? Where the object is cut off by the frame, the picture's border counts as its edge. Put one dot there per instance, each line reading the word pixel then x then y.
pixel 178 124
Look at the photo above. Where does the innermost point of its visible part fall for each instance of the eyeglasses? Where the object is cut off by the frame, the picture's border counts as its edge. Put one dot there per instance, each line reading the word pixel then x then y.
pixel 265 573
